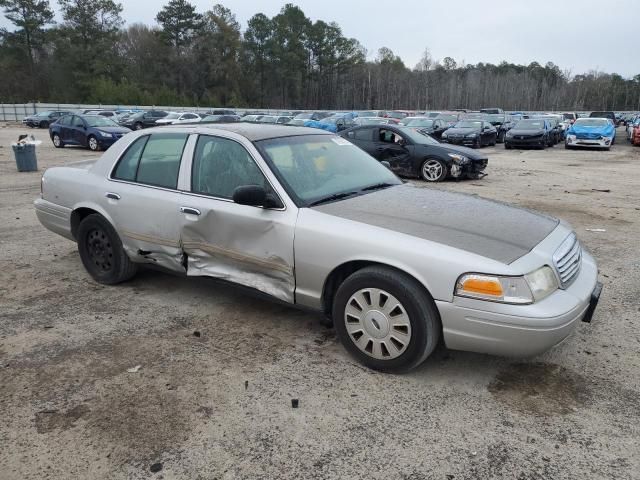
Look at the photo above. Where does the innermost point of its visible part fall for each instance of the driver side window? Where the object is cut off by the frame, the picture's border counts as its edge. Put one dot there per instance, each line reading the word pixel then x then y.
pixel 77 122
pixel 221 165
pixel 388 136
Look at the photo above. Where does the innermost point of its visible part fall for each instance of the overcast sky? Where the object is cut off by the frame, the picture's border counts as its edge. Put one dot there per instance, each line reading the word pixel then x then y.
pixel 579 35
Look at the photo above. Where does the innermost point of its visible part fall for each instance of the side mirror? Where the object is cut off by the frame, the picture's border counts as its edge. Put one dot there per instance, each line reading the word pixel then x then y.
pixel 255 196
pixel 386 164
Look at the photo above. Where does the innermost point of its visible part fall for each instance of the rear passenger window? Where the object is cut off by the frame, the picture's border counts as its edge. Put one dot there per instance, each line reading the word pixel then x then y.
pixel 128 164
pixel 160 161
pixel 153 160
pixel 363 134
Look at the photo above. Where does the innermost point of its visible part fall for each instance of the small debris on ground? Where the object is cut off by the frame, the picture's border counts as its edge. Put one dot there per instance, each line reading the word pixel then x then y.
pixel 294 403
pixel 246 384
pixel 156 467
pixel 597 230
pixel 134 369
pixel 603 190
pixel 197 334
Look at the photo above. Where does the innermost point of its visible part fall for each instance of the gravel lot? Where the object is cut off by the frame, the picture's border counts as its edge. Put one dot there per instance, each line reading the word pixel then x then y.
pixel 213 398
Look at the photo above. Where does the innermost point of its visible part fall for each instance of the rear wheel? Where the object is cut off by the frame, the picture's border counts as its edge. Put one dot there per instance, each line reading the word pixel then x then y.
pixel 44 124
pixel 385 319
pixel 433 170
pixel 102 253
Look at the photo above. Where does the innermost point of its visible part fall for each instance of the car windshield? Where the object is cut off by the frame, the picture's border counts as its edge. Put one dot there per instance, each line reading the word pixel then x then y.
pixel 419 122
pixel 317 167
pixel 591 122
pixel 530 124
pixel 99 121
pixel 303 116
pixel 172 116
pixel 367 114
pixel 468 124
pixel 448 118
pixel 568 116
pixel 433 114
pixel 369 121
pixel 496 118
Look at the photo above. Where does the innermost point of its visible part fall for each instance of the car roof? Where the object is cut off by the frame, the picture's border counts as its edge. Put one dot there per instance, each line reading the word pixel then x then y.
pixel 255 132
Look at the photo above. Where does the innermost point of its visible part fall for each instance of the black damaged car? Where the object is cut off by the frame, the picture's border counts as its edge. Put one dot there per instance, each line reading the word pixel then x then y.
pixel 502 123
pixel 434 127
pixel 529 133
pixel 475 133
pixel 413 154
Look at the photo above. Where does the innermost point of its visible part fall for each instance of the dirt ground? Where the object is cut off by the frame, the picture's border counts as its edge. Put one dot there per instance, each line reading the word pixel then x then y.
pixel 219 368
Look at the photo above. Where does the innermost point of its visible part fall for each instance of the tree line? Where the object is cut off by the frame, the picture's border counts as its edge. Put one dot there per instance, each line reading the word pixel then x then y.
pixel 193 58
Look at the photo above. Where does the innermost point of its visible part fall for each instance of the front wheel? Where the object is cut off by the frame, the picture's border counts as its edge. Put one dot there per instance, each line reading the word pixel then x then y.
pixel 138 126
pixel 433 170
pixel 385 319
pixel 102 253
pixel 44 125
pixel 507 146
pixel 93 144
pixel 57 141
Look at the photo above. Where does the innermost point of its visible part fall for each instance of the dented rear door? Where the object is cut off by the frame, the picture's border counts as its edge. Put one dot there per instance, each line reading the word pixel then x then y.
pixel 251 246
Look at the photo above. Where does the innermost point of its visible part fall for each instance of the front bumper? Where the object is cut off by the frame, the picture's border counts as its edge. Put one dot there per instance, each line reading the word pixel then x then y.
pixel 520 330
pixel 524 141
pixel 460 140
pixel 588 142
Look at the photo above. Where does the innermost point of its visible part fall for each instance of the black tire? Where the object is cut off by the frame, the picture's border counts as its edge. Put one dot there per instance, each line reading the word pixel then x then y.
pixel 567 147
pixel 507 146
pixel 57 141
pixel 44 124
pixel 420 308
pixel 500 137
pixel 494 141
pixel 102 253
pixel 138 126
pixel 477 143
pixel 444 170
pixel 93 144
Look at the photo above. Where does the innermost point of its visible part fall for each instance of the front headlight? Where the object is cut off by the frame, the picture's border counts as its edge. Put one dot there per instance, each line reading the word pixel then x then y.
pixel 106 135
pixel 458 158
pixel 472 135
pixel 515 290
pixel 444 135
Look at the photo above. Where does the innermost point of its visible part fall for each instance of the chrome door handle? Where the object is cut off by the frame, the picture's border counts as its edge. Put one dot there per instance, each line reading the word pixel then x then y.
pixel 190 210
pixel 112 196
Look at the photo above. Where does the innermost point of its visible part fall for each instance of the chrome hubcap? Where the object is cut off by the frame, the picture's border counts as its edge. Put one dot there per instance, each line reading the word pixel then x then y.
pixel 377 323
pixel 432 170
pixel 56 140
pixel 93 144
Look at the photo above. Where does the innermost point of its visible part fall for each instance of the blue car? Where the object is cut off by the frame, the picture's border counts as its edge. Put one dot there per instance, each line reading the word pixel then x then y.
pixel 591 132
pixel 94 132
pixel 334 123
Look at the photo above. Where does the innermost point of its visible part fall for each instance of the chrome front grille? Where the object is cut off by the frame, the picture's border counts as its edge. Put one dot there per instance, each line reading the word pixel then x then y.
pixel 568 259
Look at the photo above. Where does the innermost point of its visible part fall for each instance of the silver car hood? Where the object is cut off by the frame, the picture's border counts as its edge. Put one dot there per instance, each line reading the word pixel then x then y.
pixel 484 227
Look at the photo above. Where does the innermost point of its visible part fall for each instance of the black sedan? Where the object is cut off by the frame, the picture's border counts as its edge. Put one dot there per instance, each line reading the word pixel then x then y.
pixel 141 120
pixel 502 123
pixel 475 133
pixel 413 154
pixel 432 126
pixel 529 133
pixel 43 119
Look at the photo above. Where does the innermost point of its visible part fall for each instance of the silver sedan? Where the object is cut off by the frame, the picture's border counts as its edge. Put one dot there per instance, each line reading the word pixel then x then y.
pixel 312 220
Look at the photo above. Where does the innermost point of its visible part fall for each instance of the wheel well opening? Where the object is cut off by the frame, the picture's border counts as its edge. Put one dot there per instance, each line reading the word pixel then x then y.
pixel 77 216
pixel 339 274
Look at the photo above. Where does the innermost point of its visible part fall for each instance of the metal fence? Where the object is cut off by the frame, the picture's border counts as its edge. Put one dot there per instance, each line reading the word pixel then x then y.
pixel 11 112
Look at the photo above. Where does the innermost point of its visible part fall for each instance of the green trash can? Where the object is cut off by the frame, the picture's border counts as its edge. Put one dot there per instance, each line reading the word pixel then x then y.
pixel 26 159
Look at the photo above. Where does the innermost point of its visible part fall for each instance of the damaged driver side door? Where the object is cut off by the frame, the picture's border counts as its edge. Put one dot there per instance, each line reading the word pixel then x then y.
pixel 248 245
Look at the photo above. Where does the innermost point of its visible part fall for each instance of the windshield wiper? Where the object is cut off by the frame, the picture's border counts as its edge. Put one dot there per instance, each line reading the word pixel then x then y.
pixel 330 198
pixel 377 186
